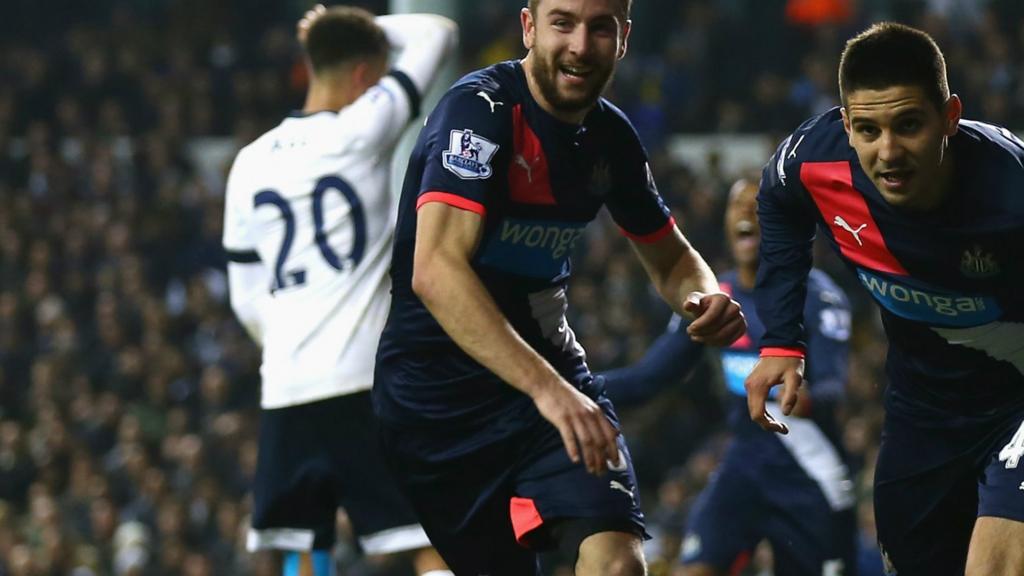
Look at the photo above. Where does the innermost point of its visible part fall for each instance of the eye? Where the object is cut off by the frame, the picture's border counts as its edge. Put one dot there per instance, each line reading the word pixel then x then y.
pixel 866 130
pixel 909 125
pixel 562 24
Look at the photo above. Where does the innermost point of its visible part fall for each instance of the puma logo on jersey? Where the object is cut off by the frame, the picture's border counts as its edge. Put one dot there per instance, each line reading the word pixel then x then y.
pixel 521 162
pixel 490 102
pixel 792 153
pixel 839 221
pixel 616 485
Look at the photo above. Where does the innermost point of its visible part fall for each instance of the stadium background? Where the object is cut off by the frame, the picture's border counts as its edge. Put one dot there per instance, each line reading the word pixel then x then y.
pixel 128 394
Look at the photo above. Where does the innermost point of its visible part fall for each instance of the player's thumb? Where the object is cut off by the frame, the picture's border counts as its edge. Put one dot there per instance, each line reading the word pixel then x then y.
pixel 790 391
pixel 692 303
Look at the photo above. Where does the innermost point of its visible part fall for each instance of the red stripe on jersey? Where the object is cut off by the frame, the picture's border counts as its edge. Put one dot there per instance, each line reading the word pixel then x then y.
pixel 653 236
pixel 525 517
pixel 783 351
pixel 847 215
pixel 529 180
pixel 451 200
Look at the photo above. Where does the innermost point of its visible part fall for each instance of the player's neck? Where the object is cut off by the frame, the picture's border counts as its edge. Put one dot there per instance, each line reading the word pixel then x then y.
pixel 574 117
pixel 328 96
pixel 747 276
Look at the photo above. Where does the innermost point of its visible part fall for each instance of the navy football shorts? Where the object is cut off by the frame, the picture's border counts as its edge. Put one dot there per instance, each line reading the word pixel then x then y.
pixel 489 510
pixel 762 491
pixel 316 457
pixel 925 511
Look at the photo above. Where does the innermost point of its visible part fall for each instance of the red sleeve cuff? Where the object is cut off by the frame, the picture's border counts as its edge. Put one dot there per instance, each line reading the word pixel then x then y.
pixel 784 351
pixel 653 236
pixel 451 200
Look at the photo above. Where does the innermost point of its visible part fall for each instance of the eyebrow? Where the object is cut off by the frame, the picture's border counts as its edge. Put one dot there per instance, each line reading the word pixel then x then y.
pixel 560 13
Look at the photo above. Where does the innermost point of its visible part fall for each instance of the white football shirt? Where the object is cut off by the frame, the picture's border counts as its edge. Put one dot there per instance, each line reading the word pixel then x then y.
pixel 312 198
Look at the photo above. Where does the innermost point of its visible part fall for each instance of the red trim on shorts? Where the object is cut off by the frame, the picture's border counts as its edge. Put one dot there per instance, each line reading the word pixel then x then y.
pixel 525 517
pixel 740 563
pixel 783 351
pixel 451 200
pixel 653 236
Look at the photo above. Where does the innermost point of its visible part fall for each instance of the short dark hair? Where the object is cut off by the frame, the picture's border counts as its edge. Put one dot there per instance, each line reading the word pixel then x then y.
pixel 625 5
pixel 890 54
pixel 343 34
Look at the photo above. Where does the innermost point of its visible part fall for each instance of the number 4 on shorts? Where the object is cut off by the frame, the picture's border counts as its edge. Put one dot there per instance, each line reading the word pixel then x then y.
pixel 1012 452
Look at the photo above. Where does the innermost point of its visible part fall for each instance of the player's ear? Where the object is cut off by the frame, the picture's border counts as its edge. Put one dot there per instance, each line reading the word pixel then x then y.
pixel 951 114
pixel 846 121
pixel 625 38
pixel 529 28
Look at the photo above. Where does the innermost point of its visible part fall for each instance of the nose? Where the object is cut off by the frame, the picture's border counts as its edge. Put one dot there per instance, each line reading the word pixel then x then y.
pixel 890 150
pixel 579 40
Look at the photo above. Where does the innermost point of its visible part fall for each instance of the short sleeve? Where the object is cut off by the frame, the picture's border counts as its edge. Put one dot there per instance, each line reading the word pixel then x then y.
pixel 467 134
pixel 634 201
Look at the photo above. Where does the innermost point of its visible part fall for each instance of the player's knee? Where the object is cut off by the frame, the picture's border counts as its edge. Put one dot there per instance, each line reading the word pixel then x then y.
pixel 617 561
pixel 1008 564
pixel 623 565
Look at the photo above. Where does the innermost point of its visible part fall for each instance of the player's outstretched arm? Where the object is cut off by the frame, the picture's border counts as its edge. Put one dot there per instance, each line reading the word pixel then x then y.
pixel 768 372
pixel 669 359
pixel 423 42
pixel 446 238
pixel 688 285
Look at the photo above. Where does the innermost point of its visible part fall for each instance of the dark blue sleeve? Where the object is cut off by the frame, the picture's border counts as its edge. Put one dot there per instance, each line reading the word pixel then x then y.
pixel 787 236
pixel 463 155
pixel 828 338
pixel 633 199
pixel 666 362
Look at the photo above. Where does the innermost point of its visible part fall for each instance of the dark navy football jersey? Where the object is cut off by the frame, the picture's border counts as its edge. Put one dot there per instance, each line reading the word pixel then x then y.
pixel 536 181
pixel 674 354
pixel 946 281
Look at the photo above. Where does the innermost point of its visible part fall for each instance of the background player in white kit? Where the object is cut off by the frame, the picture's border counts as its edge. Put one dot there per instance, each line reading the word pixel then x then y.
pixel 308 230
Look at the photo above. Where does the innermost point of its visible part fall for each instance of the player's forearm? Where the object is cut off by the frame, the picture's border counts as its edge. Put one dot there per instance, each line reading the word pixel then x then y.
pixel 422 40
pixel 456 297
pixel 689 273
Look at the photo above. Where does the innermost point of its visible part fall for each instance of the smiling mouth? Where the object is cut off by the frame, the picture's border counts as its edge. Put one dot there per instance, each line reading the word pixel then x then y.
pixel 744 228
pixel 578 73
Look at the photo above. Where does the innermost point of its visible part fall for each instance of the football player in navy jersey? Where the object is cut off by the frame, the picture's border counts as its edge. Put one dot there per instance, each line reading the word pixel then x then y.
pixel 926 210
pixel 491 419
pixel 795 491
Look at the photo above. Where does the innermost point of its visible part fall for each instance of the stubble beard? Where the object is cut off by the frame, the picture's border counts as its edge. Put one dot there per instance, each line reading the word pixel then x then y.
pixel 546 75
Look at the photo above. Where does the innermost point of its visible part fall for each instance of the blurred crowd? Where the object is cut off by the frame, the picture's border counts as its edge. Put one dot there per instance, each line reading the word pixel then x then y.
pixel 129 394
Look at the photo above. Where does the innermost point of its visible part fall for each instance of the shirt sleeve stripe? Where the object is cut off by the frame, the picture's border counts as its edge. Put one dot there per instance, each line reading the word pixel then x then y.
pixel 451 200
pixel 653 236
pixel 410 90
pixel 242 256
pixel 783 351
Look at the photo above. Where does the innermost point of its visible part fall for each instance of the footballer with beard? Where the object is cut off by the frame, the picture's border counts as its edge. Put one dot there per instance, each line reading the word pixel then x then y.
pixel 491 419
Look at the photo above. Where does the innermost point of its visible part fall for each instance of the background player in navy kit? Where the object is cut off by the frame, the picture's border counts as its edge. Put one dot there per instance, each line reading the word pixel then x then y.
pixel 308 229
pixel 491 417
pixel 927 210
pixel 793 490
